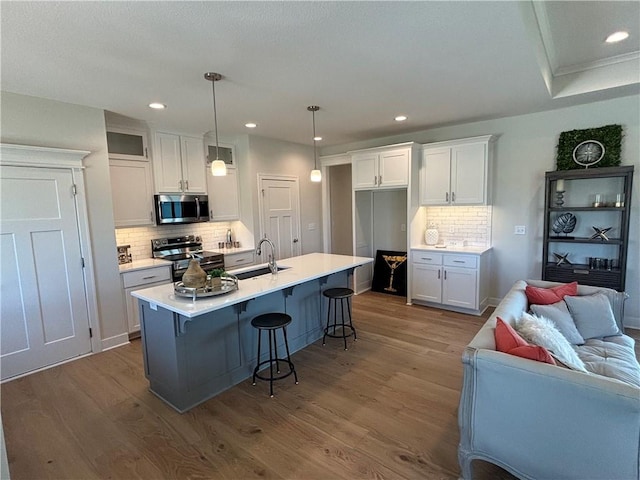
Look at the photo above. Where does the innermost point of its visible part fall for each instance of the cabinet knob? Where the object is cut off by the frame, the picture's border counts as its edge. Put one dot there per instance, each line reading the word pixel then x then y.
pixel 375 180
pixel 453 196
pixel 186 183
pixel 380 180
pixel 446 196
pixel 438 274
pixel 445 274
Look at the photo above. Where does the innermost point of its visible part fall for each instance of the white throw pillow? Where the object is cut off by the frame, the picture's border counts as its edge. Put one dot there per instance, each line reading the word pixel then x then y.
pixel 541 331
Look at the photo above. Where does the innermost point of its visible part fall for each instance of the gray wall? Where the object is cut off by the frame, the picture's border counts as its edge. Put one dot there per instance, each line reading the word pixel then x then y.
pixel 46 123
pixel 276 157
pixel 525 149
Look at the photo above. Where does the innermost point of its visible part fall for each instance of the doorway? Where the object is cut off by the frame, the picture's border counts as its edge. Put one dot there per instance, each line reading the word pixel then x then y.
pixel 341 223
pixel 279 202
pixel 44 311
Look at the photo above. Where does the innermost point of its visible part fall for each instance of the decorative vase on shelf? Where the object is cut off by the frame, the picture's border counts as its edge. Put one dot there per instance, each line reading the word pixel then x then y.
pixel 195 276
pixel 431 235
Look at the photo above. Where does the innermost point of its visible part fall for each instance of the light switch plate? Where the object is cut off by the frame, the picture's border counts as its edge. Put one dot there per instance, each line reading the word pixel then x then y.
pixel 520 230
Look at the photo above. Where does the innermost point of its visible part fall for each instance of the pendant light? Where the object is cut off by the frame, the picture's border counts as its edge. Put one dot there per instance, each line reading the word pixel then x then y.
pixel 316 175
pixel 218 167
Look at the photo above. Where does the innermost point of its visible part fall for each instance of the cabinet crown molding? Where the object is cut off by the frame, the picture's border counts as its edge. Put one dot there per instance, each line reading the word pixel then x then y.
pixel 461 141
pixel 29 155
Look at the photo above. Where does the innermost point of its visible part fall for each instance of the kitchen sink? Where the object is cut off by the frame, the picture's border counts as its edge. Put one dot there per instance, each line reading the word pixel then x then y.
pixel 255 273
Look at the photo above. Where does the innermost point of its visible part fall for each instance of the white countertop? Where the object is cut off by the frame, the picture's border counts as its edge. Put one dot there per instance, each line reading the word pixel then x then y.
pixel 301 269
pixel 450 249
pixel 142 264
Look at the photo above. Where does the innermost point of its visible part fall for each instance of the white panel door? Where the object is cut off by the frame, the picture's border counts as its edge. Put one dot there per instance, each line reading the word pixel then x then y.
pixel 436 176
pixel 281 216
pixel 468 174
pixel 193 164
pixel 44 317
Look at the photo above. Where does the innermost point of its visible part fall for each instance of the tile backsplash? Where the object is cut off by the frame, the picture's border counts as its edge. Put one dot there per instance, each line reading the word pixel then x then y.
pixel 472 224
pixel 140 237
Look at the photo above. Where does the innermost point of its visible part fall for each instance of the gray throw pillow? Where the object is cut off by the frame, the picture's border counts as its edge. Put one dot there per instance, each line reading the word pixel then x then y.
pixel 592 315
pixel 559 314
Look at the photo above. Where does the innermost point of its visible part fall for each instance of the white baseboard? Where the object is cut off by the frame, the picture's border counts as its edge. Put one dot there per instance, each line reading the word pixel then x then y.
pixel 631 322
pixel 115 341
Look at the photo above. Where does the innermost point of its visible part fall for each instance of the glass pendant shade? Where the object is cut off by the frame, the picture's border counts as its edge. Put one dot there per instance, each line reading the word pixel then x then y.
pixel 218 168
pixel 316 175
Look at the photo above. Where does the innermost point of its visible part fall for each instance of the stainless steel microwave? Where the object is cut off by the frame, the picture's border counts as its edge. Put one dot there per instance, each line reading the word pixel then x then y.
pixel 177 209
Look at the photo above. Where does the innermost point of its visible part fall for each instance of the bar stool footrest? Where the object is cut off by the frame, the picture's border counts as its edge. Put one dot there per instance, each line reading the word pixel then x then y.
pixel 258 368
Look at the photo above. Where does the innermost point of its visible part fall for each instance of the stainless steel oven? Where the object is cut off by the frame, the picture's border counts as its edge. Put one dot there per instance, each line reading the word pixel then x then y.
pixel 178 209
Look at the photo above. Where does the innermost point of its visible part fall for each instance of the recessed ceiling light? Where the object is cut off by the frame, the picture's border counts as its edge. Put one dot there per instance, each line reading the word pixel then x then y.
pixel 317 139
pixel 400 118
pixel 251 125
pixel 157 106
pixel 617 37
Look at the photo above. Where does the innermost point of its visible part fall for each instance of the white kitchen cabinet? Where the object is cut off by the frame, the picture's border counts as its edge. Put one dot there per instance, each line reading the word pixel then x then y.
pixel 457 172
pixel 453 281
pixel 223 195
pixel 127 144
pixel 381 168
pixel 237 260
pixel 179 164
pixel 136 280
pixel 132 192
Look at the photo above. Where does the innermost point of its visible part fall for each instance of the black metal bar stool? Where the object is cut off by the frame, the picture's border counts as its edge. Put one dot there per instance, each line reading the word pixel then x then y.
pixel 271 322
pixel 342 294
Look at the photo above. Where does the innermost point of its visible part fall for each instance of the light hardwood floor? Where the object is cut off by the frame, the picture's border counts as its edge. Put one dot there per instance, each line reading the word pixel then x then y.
pixel 384 409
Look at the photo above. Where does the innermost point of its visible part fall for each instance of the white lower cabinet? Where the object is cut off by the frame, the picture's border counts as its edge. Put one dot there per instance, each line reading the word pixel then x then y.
pixel 136 280
pixel 237 260
pixel 452 281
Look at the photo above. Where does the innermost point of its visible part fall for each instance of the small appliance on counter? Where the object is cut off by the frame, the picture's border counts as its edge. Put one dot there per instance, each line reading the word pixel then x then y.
pixel 123 254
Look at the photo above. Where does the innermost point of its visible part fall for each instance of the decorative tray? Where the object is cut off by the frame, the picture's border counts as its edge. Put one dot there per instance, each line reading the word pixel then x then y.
pixel 228 283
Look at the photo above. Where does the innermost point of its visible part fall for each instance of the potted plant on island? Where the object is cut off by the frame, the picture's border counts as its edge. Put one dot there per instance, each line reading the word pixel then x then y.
pixel 216 274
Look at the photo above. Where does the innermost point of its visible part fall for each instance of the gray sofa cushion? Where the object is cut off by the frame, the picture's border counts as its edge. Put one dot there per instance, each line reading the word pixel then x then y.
pixel 559 314
pixel 613 357
pixel 592 315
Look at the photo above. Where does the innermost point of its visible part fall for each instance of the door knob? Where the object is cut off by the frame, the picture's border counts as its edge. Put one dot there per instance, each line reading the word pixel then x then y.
pixel 295 240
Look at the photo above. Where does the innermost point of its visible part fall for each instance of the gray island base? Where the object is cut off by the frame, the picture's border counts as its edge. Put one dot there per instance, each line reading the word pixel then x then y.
pixel 194 350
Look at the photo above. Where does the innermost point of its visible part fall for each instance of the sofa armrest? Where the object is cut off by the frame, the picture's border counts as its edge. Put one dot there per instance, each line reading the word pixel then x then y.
pixel 542 421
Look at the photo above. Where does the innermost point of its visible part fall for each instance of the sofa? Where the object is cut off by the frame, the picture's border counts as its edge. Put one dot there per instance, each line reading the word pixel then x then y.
pixel 543 421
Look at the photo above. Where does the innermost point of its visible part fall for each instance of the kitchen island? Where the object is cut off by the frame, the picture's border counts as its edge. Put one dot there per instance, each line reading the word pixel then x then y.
pixel 193 350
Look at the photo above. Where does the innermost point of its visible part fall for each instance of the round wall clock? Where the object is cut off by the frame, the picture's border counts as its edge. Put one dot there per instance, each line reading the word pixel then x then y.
pixel 588 153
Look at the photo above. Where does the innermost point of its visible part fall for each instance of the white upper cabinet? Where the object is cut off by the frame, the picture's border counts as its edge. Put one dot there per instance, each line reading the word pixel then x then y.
pixel 457 172
pixel 381 168
pixel 132 192
pixel 179 164
pixel 127 144
pixel 223 196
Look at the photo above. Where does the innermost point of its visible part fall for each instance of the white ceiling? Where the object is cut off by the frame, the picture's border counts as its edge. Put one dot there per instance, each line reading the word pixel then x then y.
pixel 362 62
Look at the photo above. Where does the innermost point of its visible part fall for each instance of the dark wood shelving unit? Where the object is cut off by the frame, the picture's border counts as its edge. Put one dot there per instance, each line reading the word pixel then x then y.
pixel 582 247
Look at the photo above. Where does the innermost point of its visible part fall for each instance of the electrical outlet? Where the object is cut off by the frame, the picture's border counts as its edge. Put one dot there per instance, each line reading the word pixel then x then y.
pixel 520 230
pixel 403 227
pixel 452 229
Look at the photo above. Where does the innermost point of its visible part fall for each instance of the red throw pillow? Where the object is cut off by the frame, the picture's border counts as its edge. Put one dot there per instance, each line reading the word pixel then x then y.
pixel 547 296
pixel 509 341
pixel 506 337
pixel 533 352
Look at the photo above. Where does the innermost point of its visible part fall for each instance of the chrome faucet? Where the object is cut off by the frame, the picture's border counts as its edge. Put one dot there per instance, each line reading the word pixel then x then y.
pixel 272 258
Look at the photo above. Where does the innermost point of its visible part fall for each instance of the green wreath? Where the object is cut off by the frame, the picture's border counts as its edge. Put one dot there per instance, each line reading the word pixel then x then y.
pixel 610 136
